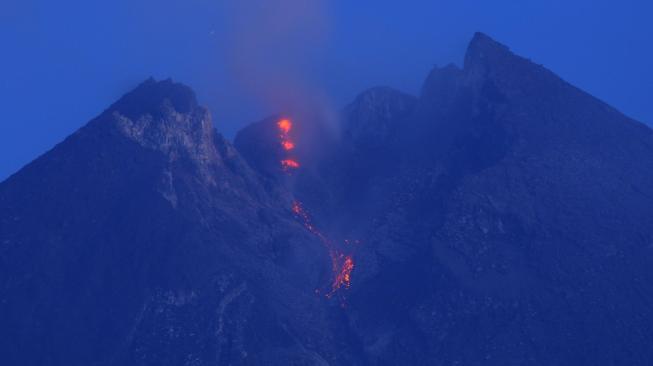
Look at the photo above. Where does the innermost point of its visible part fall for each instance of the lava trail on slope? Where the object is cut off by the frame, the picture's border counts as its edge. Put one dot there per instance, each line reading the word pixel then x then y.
pixel 342 264
pixel 288 163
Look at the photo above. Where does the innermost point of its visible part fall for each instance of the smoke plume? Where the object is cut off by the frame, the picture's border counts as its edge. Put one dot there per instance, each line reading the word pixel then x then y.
pixel 275 50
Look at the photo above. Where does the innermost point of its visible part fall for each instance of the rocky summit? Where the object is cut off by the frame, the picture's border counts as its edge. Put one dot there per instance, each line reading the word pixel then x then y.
pixel 501 217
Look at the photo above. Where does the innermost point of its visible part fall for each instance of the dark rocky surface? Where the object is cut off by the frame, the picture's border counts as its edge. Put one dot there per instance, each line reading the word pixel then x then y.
pixel 504 216
pixel 518 231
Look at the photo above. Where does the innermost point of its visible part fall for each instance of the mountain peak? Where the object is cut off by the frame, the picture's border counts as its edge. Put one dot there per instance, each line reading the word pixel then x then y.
pixel 372 116
pixel 379 102
pixel 482 39
pixel 162 115
pixel 149 97
pixel 483 50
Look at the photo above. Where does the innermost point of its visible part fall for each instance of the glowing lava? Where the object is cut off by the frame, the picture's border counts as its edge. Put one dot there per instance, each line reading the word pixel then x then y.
pixel 288 145
pixel 285 126
pixel 305 219
pixel 289 164
pixel 342 264
pixel 343 276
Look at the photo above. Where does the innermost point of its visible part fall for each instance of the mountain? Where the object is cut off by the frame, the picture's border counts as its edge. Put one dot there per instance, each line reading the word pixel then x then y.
pixel 501 217
pixel 144 239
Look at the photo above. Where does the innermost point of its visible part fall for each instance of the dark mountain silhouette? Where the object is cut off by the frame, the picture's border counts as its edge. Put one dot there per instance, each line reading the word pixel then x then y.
pixel 501 217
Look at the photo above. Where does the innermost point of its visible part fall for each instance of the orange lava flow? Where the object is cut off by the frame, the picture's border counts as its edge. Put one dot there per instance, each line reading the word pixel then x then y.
pixel 305 219
pixel 342 265
pixel 343 276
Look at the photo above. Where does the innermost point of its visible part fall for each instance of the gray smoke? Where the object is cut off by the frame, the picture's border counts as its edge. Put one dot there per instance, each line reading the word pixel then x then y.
pixel 275 50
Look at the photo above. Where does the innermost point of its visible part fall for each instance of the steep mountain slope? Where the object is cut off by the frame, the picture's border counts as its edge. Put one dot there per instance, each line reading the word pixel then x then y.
pixel 522 210
pixel 505 217
pixel 145 239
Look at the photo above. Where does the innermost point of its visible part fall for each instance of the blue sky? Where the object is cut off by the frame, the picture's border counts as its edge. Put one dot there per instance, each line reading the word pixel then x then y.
pixel 64 61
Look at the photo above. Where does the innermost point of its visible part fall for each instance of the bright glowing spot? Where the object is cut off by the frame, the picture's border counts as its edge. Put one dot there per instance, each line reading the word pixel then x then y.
pixel 287 145
pixel 285 125
pixel 289 164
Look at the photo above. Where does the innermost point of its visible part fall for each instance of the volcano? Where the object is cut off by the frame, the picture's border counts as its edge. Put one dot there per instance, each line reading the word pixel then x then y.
pixel 502 216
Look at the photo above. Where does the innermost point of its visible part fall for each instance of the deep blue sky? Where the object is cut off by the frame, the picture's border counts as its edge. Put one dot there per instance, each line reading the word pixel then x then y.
pixel 64 61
